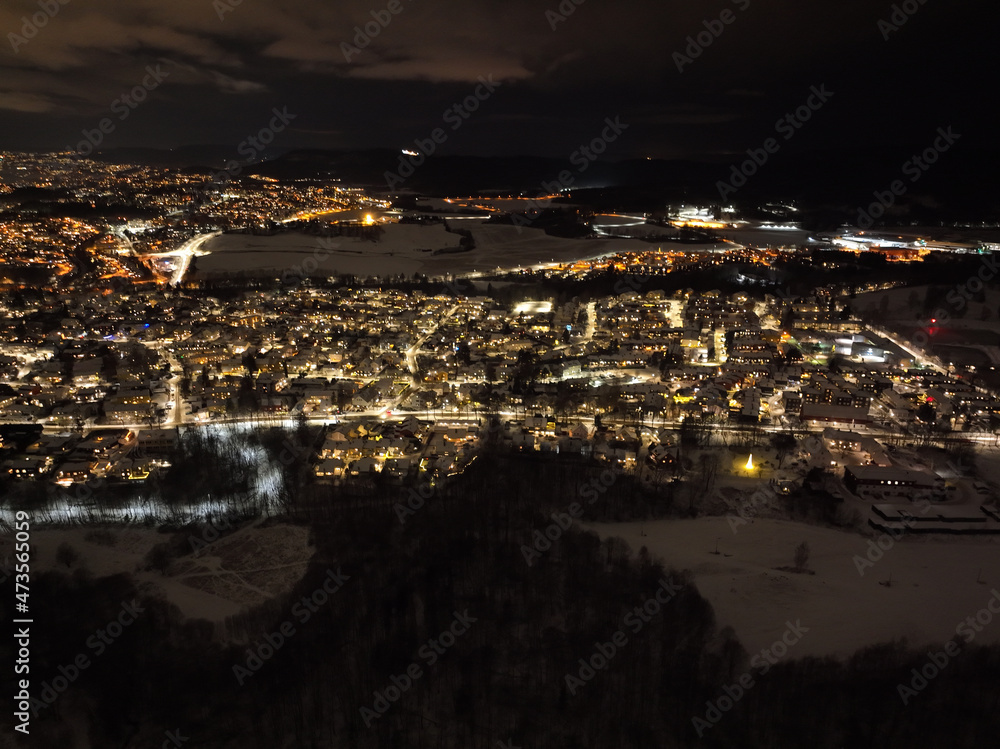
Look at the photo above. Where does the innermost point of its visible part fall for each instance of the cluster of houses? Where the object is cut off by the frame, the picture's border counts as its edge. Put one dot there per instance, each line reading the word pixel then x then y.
pixel 117 455
pixel 404 381
pixel 118 358
pixel 904 495
pixel 410 447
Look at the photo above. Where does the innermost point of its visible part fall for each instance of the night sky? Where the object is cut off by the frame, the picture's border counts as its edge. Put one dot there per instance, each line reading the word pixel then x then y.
pixel 605 59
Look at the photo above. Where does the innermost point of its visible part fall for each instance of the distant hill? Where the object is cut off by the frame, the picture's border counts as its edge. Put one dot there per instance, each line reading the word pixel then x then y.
pixel 211 156
pixel 958 187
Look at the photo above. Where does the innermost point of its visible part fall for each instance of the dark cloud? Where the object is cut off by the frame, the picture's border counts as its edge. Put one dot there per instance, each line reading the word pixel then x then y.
pixel 359 75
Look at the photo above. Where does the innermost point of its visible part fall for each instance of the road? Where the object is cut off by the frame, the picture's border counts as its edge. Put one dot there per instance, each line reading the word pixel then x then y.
pixel 588 333
pixel 120 233
pixel 983 439
pixel 411 364
pixel 177 418
pixel 412 351
pixel 918 357
pixel 184 253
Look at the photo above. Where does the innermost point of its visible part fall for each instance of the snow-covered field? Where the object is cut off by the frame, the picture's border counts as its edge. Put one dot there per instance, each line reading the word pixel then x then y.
pixel 761 237
pixel 404 248
pixel 217 578
pixel 934 581
pixel 906 303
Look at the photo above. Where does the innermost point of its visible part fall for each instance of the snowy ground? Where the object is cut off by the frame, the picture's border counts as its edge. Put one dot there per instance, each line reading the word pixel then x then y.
pixel 934 581
pixel 906 303
pixel 760 237
pixel 218 580
pixel 406 248
pixel 967 334
pixel 944 234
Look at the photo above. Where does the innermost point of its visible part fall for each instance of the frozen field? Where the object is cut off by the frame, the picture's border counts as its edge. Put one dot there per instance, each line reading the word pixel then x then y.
pixel 218 578
pixel 766 237
pixel 934 581
pixel 403 248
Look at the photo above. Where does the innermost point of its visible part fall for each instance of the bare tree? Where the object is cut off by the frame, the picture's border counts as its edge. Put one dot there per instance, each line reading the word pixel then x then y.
pixel 802 556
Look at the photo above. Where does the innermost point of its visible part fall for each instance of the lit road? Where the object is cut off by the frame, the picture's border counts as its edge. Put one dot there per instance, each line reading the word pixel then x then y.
pixel 599 228
pixel 177 418
pixel 120 233
pixel 289 421
pixel 917 357
pixel 412 351
pixel 184 253
pixel 588 334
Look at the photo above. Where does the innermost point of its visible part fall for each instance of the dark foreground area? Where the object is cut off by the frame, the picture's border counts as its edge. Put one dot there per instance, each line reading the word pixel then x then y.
pixel 479 621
